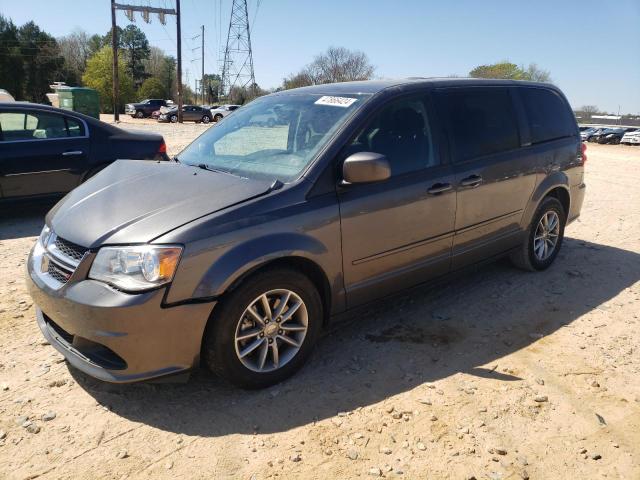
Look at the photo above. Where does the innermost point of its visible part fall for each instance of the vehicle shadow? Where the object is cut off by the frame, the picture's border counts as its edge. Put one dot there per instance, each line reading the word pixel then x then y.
pixel 23 219
pixel 465 326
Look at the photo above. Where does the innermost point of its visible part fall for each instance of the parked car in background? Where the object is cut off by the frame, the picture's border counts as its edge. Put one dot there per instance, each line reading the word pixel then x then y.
pixel 632 137
pixel 190 113
pixel 587 132
pixel 595 135
pixel 613 135
pixel 222 111
pixel 240 252
pixel 47 151
pixel 145 108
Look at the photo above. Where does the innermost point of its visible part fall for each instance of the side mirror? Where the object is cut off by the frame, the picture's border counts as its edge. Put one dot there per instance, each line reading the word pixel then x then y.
pixel 365 167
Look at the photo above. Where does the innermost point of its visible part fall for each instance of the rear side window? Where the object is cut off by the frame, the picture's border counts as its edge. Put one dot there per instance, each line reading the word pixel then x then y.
pixel 481 121
pixel 549 117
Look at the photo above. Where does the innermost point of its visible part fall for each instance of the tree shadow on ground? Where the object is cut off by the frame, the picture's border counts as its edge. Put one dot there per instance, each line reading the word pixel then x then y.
pixel 423 335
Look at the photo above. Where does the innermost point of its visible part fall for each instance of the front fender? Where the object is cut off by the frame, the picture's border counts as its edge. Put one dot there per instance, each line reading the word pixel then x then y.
pixel 552 181
pixel 246 256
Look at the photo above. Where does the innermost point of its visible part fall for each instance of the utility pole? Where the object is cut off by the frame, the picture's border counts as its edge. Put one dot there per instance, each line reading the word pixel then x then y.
pixel 146 11
pixel 114 48
pixel 237 67
pixel 202 55
pixel 179 61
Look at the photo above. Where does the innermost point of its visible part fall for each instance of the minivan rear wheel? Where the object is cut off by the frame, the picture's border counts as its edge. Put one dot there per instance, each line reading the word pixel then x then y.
pixel 544 237
pixel 264 330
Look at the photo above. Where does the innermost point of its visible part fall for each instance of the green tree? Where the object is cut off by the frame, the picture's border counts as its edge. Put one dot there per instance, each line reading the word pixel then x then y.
pixel 43 63
pixel 99 75
pixel 162 67
pixel 508 70
pixel 10 58
pixel 212 84
pixel 136 47
pixel 152 88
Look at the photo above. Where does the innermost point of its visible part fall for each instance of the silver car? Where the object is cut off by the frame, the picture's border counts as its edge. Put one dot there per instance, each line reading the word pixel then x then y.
pixel 222 111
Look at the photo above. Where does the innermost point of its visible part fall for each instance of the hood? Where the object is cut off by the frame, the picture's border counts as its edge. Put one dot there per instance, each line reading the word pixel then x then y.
pixel 134 201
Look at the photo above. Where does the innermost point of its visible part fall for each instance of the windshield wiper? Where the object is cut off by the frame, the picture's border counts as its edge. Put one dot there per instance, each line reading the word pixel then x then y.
pixel 176 159
pixel 204 166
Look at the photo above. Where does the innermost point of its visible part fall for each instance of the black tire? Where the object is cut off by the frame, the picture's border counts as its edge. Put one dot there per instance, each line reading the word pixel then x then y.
pixel 217 118
pixel 173 118
pixel 525 257
pixel 206 119
pixel 139 114
pixel 218 346
pixel 615 141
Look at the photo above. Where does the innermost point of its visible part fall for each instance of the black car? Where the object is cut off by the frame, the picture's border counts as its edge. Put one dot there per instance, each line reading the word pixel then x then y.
pixel 190 113
pixel 241 251
pixel 46 151
pixel 613 135
pixel 144 108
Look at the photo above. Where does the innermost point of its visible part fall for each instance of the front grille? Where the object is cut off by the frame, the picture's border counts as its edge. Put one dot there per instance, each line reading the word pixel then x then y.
pixel 58 273
pixel 70 249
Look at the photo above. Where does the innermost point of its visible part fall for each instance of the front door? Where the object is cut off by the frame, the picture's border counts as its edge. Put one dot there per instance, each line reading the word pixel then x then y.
pixel 41 153
pixel 494 179
pixel 398 232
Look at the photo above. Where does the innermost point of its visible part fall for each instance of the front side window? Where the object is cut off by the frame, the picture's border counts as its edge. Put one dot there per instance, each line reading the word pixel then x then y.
pixel 481 121
pixel 247 144
pixel 32 126
pixel 400 132
pixel 549 117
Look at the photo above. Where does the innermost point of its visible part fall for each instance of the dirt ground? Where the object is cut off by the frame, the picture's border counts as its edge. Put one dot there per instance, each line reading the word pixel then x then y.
pixel 499 374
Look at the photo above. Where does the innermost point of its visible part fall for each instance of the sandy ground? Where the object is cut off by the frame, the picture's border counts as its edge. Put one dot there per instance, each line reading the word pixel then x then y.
pixel 500 374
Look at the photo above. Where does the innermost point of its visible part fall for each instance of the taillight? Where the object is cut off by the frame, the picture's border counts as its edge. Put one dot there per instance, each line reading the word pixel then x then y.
pixel 583 149
pixel 163 147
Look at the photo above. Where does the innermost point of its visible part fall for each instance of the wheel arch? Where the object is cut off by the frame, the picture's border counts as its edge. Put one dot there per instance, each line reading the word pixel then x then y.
pixel 303 253
pixel 555 185
pixel 308 267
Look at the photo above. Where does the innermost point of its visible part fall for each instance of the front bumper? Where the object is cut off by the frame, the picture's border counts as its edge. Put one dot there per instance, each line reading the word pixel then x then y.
pixel 129 110
pixel 116 336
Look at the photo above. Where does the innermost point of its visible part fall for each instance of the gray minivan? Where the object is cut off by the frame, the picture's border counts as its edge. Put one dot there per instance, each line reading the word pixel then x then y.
pixel 239 252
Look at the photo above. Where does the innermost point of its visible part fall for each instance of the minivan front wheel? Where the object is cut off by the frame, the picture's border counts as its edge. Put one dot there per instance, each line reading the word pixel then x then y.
pixel 263 331
pixel 544 237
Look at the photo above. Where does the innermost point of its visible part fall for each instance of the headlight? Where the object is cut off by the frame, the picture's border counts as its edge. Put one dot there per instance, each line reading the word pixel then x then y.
pixel 136 268
pixel 44 236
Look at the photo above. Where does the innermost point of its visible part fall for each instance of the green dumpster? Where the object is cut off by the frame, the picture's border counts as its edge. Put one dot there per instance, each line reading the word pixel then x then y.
pixel 79 99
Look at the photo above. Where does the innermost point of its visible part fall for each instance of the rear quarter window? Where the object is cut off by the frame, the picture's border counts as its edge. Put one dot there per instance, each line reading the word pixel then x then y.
pixel 481 121
pixel 548 115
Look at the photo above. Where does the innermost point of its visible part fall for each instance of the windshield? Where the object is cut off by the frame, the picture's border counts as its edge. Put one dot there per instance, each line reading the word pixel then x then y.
pixel 273 137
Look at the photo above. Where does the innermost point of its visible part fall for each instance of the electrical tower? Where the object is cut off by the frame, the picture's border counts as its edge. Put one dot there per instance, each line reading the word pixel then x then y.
pixel 237 67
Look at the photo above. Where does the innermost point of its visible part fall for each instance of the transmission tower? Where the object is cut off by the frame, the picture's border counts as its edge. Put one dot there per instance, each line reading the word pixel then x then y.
pixel 237 67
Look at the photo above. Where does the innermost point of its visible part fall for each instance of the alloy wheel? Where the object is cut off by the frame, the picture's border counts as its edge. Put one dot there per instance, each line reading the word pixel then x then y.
pixel 546 235
pixel 271 330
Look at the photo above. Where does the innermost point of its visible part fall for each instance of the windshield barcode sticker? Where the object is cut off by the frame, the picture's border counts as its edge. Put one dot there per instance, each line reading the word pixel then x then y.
pixel 336 101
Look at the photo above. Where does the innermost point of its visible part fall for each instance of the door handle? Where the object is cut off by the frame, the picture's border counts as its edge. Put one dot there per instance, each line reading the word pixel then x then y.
pixel 437 188
pixel 471 181
pixel 72 153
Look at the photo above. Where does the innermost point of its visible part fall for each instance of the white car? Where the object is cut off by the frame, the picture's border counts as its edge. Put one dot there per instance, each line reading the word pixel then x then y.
pixel 631 138
pixel 222 111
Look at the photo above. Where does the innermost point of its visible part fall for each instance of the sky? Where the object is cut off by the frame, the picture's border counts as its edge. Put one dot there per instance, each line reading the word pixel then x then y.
pixel 591 48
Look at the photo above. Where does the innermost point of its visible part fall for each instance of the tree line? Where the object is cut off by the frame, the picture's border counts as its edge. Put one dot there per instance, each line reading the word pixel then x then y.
pixel 31 60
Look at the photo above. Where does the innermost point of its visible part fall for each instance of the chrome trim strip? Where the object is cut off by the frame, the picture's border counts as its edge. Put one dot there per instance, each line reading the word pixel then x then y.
pixel 40 171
